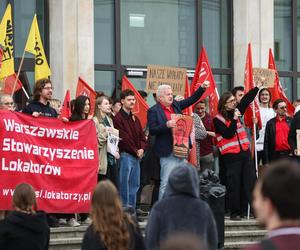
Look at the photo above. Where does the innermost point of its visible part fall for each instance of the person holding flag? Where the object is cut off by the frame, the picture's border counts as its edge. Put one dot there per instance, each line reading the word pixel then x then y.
pixel 233 145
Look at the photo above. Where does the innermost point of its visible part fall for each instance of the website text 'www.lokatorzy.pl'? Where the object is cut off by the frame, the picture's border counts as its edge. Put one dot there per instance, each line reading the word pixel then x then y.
pixel 54 195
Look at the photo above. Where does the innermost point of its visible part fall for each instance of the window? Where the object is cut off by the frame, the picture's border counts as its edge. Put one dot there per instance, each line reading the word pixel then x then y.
pixel 158 32
pixel 287 45
pixel 130 34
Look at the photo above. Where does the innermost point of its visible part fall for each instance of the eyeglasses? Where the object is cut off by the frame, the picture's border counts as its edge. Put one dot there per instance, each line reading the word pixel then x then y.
pixel 8 103
pixel 283 107
pixel 48 88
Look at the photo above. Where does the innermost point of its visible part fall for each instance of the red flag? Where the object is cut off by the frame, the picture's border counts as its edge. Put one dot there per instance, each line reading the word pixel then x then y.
pixel 203 73
pixel 9 84
pixel 249 84
pixel 140 107
pixel 66 107
pixel 187 93
pixel 277 91
pixel 84 89
pixel 213 102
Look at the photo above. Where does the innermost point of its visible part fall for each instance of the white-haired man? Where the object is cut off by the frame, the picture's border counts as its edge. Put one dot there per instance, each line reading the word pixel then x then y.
pixel 160 125
pixel 6 102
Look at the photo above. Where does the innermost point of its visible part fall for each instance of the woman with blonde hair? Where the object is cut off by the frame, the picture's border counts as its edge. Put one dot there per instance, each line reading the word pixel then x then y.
pixel 111 228
pixel 24 228
pixel 107 161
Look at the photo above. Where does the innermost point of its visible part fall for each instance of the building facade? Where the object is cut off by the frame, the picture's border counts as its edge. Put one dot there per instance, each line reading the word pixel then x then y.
pixel 102 40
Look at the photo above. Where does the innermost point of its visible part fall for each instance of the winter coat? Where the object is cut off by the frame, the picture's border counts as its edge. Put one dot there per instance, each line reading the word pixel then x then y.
pixel 181 210
pixel 21 231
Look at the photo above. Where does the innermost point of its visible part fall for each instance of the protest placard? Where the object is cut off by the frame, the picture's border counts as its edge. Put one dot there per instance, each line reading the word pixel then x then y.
pixel 181 134
pixel 158 75
pixel 265 76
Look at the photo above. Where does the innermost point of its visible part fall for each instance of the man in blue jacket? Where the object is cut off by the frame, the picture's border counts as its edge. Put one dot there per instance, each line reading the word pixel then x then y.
pixel 160 125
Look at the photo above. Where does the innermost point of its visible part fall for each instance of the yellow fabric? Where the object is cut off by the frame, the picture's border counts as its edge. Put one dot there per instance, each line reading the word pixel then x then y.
pixel 6 41
pixel 34 45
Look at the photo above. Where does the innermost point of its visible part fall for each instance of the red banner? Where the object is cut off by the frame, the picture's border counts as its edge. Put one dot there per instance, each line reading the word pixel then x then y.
pixel 84 89
pixel 66 107
pixel 203 73
pixel 141 106
pixel 60 160
pixel 9 82
pixel 249 84
pixel 277 91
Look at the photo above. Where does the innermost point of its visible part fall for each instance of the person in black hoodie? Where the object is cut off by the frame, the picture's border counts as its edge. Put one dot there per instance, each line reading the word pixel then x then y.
pixel 181 211
pixel 111 228
pixel 24 228
pixel 40 105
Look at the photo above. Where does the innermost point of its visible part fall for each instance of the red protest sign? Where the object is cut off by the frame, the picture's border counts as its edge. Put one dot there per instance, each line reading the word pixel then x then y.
pixel 60 160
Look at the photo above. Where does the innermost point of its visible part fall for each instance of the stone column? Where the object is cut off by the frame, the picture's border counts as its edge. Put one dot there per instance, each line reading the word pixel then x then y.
pixel 71 44
pixel 253 22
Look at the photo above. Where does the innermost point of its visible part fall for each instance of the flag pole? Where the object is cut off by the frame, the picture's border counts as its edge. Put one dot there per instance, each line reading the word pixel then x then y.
pixel 254 138
pixel 17 77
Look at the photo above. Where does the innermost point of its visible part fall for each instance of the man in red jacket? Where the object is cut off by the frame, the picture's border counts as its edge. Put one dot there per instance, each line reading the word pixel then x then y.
pixel 277 205
pixel 131 147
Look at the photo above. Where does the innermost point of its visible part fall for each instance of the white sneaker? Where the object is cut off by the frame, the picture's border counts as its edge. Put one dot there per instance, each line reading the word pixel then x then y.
pixel 87 221
pixel 73 223
pixel 62 222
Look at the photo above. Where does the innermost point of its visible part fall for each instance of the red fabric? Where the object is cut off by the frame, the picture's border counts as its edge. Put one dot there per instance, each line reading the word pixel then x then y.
pixel 9 84
pixel 277 91
pixel 249 84
pixel 60 160
pixel 66 107
pixel 282 133
pixel 189 111
pixel 167 110
pixel 130 131
pixel 141 106
pixel 213 101
pixel 84 89
pixel 206 144
pixel 203 73
pixel 187 93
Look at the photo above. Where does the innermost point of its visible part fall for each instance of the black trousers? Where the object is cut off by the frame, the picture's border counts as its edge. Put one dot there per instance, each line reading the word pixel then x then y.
pixel 240 180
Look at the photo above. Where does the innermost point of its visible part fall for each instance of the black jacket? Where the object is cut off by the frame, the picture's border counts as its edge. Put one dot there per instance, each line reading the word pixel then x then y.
pixel 270 140
pixel 36 106
pixel 181 210
pixel 20 231
pixel 295 124
pixel 92 240
pixel 157 120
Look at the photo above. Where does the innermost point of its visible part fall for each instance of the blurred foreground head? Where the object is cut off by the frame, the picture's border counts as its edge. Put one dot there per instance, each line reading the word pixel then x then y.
pixel 276 195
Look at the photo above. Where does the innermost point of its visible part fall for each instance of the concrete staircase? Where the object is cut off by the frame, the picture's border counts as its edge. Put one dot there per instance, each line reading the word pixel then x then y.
pixel 237 235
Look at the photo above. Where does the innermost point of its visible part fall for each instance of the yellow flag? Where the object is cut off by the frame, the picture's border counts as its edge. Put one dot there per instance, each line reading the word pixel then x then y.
pixel 6 41
pixel 34 45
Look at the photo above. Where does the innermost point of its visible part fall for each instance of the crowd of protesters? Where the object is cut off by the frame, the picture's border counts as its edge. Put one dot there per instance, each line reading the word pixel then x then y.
pixel 146 156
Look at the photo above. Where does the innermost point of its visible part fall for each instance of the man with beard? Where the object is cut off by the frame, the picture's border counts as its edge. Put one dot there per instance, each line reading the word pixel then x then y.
pixel 40 105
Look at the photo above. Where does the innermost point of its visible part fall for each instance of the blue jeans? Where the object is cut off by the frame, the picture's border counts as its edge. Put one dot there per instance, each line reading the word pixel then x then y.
pixel 129 179
pixel 167 164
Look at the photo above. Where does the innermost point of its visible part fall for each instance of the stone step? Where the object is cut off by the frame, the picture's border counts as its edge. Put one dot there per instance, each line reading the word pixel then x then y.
pixel 236 245
pixel 237 234
pixel 248 236
pixel 65 243
pixel 245 224
pixel 67 232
